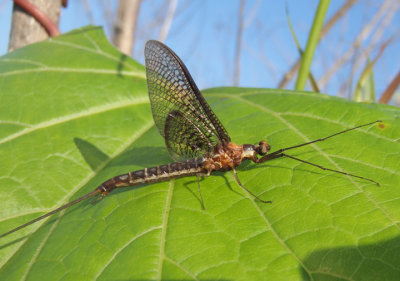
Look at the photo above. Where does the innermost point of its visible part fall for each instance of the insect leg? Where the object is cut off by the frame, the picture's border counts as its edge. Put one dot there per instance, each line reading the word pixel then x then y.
pixel 201 196
pixel 242 186
pixel 268 157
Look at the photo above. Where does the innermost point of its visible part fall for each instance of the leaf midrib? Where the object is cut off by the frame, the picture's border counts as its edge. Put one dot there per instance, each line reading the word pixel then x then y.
pixel 66 118
pixel 137 74
pixel 135 137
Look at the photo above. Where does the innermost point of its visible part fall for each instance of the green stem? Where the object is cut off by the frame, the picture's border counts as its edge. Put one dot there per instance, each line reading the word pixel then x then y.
pixel 311 44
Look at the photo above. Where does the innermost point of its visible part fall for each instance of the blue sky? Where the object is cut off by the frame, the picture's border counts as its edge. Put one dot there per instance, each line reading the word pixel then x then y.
pixel 203 34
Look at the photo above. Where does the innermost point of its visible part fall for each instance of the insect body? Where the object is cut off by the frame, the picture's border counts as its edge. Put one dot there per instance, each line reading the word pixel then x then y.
pixel 193 135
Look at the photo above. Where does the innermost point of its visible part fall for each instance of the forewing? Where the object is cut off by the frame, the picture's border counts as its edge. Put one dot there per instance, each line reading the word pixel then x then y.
pixel 172 89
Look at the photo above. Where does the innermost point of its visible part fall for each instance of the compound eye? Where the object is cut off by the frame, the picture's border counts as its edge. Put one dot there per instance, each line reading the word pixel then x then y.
pixel 263 147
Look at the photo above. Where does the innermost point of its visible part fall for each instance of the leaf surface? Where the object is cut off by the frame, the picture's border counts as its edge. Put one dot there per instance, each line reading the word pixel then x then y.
pixel 75 112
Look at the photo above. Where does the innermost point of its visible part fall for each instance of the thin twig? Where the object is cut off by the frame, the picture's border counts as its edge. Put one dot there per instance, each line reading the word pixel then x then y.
pixel 364 34
pixel 391 89
pixel 379 31
pixel 168 20
pixel 88 11
pixel 236 75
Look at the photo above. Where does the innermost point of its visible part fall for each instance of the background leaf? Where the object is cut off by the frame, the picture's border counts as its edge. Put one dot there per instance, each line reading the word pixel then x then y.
pixel 74 112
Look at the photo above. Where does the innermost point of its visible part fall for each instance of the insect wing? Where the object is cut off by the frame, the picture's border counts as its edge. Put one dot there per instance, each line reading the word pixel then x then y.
pixel 185 138
pixel 172 90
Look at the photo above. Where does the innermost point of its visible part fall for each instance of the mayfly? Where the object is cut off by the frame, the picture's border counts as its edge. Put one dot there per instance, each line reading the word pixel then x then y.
pixel 193 135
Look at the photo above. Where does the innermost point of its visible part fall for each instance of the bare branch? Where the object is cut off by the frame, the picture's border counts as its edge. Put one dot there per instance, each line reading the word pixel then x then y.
pixel 125 25
pixel 236 75
pixel 373 43
pixel 364 34
pixel 390 90
pixel 168 20
pixel 88 10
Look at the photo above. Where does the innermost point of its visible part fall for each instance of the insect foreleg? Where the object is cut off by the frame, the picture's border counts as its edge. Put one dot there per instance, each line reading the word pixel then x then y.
pixel 198 185
pixel 242 186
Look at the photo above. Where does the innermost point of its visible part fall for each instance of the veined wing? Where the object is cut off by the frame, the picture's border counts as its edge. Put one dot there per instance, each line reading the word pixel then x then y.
pixel 172 90
pixel 185 138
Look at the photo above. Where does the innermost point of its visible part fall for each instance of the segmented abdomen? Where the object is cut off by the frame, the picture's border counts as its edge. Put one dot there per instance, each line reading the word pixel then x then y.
pixel 154 174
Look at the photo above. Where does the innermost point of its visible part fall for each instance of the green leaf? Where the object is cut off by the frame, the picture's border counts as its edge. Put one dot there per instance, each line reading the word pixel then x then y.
pixel 74 112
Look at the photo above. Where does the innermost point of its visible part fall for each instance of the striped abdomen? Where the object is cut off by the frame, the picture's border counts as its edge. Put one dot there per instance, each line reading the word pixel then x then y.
pixel 153 174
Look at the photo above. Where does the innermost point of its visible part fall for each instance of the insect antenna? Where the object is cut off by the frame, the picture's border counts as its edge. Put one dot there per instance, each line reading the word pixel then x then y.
pixel 328 169
pixel 96 191
pixel 279 153
pixel 322 139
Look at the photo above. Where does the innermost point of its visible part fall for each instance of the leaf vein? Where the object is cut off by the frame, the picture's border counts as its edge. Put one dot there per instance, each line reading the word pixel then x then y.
pixel 289 125
pixel 135 136
pixel 167 209
pixel 116 253
pixel 66 118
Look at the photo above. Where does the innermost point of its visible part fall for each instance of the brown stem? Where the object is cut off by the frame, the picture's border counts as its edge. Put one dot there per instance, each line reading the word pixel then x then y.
pixel 41 17
pixel 390 90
